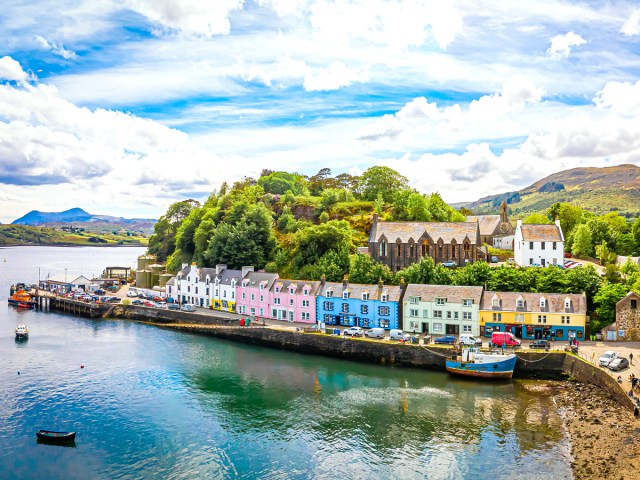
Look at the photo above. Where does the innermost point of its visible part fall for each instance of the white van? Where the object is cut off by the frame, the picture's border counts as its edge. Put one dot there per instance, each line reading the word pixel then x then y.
pixel 398 335
pixel 188 307
pixel 374 333
pixel 469 340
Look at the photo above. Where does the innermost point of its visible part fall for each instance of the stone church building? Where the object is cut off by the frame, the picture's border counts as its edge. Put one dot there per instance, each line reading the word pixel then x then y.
pixel 400 244
pixel 495 230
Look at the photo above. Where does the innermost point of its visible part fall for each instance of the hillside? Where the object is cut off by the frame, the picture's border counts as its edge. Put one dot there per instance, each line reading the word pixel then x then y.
pixel 83 220
pixel 27 235
pixel 599 190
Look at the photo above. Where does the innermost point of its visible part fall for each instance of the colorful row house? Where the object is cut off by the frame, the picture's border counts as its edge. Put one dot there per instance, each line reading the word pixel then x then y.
pixel 358 305
pixel 225 282
pixel 442 309
pixel 553 316
pixel 191 285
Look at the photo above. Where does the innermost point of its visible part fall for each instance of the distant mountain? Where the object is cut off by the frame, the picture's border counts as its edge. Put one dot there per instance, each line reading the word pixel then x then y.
pixel 84 220
pixel 599 190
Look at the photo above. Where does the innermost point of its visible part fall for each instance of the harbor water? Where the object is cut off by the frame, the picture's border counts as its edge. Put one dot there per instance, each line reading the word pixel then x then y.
pixel 155 403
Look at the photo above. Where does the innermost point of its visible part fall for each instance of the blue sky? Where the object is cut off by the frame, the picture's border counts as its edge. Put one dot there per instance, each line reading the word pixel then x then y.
pixel 124 106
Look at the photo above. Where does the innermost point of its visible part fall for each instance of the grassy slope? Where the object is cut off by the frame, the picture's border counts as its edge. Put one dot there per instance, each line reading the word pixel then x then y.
pixel 25 235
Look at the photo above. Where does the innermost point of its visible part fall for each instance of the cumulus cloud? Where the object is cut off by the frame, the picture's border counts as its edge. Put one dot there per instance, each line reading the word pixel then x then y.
pixel 632 25
pixel 189 16
pixel 620 97
pixel 55 48
pixel 11 70
pixel 561 44
pixel 338 75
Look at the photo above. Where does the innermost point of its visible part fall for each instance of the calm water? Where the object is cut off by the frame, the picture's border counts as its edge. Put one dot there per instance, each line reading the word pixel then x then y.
pixel 152 403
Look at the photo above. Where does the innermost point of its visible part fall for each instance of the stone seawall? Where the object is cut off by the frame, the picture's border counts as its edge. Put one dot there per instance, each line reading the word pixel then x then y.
pixel 530 365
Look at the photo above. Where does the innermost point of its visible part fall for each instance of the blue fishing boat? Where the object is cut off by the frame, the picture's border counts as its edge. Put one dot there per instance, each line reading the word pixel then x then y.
pixel 474 363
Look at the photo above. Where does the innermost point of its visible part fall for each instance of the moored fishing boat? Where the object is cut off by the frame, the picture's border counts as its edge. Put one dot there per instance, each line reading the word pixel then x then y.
pixel 21 298
pixel 50 436
pixel 22 332
pixel 474 363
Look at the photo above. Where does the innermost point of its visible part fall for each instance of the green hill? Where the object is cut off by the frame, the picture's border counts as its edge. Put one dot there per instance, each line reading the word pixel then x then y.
pixel 599 190
pixel 27 235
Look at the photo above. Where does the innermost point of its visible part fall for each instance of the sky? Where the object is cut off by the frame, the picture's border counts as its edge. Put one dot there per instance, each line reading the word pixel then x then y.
pixel 123 107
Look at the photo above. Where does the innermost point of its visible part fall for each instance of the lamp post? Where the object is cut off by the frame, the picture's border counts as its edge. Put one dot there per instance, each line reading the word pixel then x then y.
pixel 65 281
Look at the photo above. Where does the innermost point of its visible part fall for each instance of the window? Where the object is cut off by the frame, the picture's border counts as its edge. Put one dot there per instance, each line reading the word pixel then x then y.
pixel 261 311
pixel 543 302
pixel 413 312
pixel 305 292
pixel 291 302
pixel 399 250
pixel 448 315
pixel 566 319
pixel 558 333
pixel 305 303
pixel 531 261
pixel 261 287
pixel 411 250
pixel 383 248
pixel 495 301
pixel 244 295
pixel 567 303
pixel 304 315
pixel 520 317
pixel 384 297
pixel 441 301
pixel 542 244
pixel 328 305
pixel 542 319
pixel 425 313
pixel 466 328
pixel 328 319
pixel 414 300
pixel 530 245
pixel 276 301
pixel 466 315
pixel 634 304
pixel 291 316
pixel 383 310
pixel 188 288
pixel 554 246
pixel 497 317
pixel 277 289
pixel 216 294
pixel 364 309
pixel 384 323
pixel 328 293
pixel 437 314
pixel 233 294
pixel 365 296
pixel 345 294
pixel 455 315
pixel 345 307
pixel 365 322
pixel 253 297
pixel 520 303
pixel 467 302
pixel 253 310
pixel 437 327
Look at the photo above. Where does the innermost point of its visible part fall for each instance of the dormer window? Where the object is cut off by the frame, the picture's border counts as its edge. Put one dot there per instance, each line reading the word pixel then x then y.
pixel 543 303
pixel 345 294
pixel 261 286
pixel 567 303
pixel 292 291
pixel 520 302
pixel 365 295
pixel 305 292
pixel 245 284
pixel 328 293
pixel 384 297
pixel 495 301
pixel 441 301
pixel 414 300
pixel 467 302
pixel 277 289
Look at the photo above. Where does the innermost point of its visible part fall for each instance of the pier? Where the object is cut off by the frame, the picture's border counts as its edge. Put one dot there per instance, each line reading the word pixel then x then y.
pixel 48 301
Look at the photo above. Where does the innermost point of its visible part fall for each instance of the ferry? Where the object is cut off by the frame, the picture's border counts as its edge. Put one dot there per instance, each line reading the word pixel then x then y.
pixel 22 332
pixel 474 363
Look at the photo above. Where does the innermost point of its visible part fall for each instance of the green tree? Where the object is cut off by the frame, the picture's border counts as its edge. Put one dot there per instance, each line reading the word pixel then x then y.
pixel 421 272
pixel 582 242
pixel 283 182
pixel 626 244
pixel 383 180
pixel 313 242
pixel 477 274
pixel 605 301
pixel 163 241
pixel 569 216
pixel 551 280
pixel 536 219
pixel 362 269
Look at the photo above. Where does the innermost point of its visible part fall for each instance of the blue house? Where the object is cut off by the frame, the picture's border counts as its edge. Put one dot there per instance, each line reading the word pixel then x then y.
pixel 352 304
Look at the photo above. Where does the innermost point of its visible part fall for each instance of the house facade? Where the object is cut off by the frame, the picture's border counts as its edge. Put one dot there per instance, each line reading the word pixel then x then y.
pixel 627 324
pixel 538 245
pixel 400 244
pixel 225 281
pixel 534 315
pixel 192 285
pixel 294 300
pixel 351 304
pixel 441 309
pixel 254 293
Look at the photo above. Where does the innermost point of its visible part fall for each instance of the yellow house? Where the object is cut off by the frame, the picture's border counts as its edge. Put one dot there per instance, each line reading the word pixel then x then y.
pixel 534 315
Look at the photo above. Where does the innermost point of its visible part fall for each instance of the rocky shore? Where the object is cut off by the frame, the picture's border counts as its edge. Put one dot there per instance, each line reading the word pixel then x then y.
pixel 605 437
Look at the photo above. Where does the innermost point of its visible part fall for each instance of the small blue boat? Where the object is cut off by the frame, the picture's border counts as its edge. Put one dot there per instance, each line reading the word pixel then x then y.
pixel 472 362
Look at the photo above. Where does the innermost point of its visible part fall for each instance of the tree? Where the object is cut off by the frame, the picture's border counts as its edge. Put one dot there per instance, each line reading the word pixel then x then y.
pixel 600 231
pixel 346 181
pixel 606 299
pixel 626 244
pixel 569 216
pixel 283 182
pixel 616 222
pixel 582 243
pixel 551 279
pixel 536 219
pixel 163 241
pixel 362 269
pixel 313 242
pixel 421 272
pixel 383 180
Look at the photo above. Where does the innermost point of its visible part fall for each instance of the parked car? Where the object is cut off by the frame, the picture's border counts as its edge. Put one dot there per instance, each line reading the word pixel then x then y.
pixel 619 363
pixel 137 301
pixel 374 333
pixel 173 306
pixel 446 340
pixel 396 334
pixel 449 264
pixel 132 293
pixel 188 307
pixel 607 357
pixel 543 344
pixel 507 339
pixel 469 340
pixel 99 292
pixel 148 303
pixel 353 332
pixel 567 255
pixel 494 259
pixel 161 304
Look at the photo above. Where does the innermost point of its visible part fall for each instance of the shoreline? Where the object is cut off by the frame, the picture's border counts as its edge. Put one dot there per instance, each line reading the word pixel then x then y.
pixel 101 245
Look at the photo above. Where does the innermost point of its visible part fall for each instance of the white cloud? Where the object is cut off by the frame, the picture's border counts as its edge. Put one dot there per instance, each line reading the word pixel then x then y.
pixel 561 44
pixel 206 18
pixel 11 70
pixel 620 97
pixel 57 49
pixel 632 25
pixel 338 75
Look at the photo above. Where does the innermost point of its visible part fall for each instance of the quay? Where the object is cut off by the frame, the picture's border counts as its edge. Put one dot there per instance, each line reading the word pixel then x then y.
pixel 48 301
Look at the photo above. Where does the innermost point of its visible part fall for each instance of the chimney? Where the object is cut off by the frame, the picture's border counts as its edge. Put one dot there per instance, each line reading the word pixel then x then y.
pixel 380 283
pixel 558 222
pixel 402 284
pixel 518 223
pixel 219 269
pixel 344 281
pixel 246 270
pixel 184 265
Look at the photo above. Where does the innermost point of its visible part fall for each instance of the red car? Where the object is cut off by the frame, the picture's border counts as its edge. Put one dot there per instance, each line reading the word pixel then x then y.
pixel 149 304
pixel 567 255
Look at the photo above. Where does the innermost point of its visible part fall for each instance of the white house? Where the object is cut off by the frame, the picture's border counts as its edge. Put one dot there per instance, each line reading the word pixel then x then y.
pixel 192 285
pixel 538 244
pixel 224 288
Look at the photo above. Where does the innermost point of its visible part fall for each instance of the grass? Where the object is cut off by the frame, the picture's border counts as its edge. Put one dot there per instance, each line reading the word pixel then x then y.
pixel 26 235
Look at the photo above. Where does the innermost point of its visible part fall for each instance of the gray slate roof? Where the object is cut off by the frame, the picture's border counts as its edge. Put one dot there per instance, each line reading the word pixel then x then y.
pixel 356 290
pixel 453 294
pixel 256 278
pixel 299 285
pixel 406 231
pixel 555 301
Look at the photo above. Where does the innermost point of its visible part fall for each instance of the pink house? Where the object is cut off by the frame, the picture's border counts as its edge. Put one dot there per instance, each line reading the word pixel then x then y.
pixel 294 300
pixel 253 293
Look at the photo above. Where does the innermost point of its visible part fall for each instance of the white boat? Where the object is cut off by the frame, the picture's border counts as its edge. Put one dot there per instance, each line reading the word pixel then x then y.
pixel 22 332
